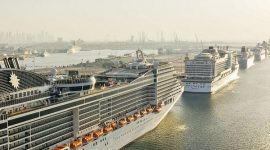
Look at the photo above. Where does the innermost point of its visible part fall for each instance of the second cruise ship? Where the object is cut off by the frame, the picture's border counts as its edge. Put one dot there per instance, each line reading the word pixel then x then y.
pixel 211 70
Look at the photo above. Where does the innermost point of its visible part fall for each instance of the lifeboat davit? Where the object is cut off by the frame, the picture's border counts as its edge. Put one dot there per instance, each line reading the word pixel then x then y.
pixel 87 138
pixel 143 112
pixel 76 144
pixel 149 110
pixel 157 109
pixel 130 118
pixel 107 129
pixel 160 104
pixel 62 147
pixel 122 122
pixel 137 115
pixel 98 133
pixel 114 125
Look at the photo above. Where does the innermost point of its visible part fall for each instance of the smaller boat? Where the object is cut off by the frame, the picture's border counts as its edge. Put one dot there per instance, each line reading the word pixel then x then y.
pixel 62 147
pixel 74 49
pixel 107 129
pixel 123 122
pixel 76 143
pixel 157 109
pixel 44 54
pixel 130 118
pixel 87 138
pixel 137 115
pixel 143 112
pixel 149 110
pixel 98 133
pixel 114 125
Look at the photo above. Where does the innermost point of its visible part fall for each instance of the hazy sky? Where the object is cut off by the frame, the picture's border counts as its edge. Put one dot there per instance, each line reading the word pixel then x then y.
pixel 119 19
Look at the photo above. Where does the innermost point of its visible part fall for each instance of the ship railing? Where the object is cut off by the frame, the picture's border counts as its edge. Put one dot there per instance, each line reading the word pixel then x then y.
pixel 3 116
pixel 23 100
pixel 73 81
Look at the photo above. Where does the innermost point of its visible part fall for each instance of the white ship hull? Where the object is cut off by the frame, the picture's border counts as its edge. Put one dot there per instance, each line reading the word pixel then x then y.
pixel 260 57
pixel 210 87
pixel 246 63
pixel 128 133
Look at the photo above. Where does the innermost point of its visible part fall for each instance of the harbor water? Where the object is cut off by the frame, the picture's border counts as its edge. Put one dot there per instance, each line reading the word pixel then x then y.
pixel 236 118
pixel 64 59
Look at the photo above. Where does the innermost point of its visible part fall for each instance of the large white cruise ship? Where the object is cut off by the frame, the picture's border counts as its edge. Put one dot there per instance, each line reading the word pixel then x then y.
pixel 246 58
pixel 210 70
pixel 102 112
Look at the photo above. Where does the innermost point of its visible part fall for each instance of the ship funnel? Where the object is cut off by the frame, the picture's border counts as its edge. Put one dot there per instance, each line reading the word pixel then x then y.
pixel 243 49
pixel 93 81
pixel 11 62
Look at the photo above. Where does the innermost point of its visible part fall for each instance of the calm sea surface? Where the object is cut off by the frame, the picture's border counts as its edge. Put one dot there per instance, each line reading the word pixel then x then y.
pixel 236 118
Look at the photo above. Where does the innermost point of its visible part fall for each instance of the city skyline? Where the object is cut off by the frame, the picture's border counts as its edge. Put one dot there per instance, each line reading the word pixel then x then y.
pixel 119 20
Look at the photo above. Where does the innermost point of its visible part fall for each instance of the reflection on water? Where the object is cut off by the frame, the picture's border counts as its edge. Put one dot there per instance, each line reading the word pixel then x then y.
pixel 237 117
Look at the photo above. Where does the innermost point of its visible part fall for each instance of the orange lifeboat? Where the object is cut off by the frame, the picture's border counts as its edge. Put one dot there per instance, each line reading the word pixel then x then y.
pixel 122 122
pixel 62 147
pixel 130 118
pixel 107 129
pixel 114 125
pixel 137 115
pixel 87 138
pixel 76 144
pixel 143 112
pixel 98 133
pixel 149 110
pixel 157 109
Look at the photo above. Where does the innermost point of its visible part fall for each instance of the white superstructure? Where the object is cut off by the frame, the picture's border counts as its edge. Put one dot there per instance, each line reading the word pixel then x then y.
pixel 210 70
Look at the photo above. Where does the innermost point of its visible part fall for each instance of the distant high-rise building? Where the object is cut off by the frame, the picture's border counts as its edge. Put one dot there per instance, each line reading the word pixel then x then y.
pixel 132 38
pixel 59 39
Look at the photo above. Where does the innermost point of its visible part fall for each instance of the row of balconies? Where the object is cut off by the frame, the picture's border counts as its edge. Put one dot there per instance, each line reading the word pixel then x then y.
pixel 89 114
pixel 50 136
pixel 50 119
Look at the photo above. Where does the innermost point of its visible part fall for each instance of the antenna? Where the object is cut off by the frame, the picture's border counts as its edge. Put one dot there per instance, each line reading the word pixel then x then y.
pixel 202 44
pixel 197 40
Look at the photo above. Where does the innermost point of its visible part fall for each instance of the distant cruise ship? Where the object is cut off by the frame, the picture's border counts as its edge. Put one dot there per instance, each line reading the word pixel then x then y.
pixel 44 54
pixel 74 49
pixel 210 70
pixel 260 53
pixel 246 58
pixel 104 112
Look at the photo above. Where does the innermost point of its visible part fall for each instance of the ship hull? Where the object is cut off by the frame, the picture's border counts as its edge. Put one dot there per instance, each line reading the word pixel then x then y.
pixel 130 132
pixel 210 87
pixel 246 63
pixel 259 57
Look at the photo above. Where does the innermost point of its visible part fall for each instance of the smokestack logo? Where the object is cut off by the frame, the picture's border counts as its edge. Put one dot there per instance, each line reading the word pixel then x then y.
pixel 14 80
